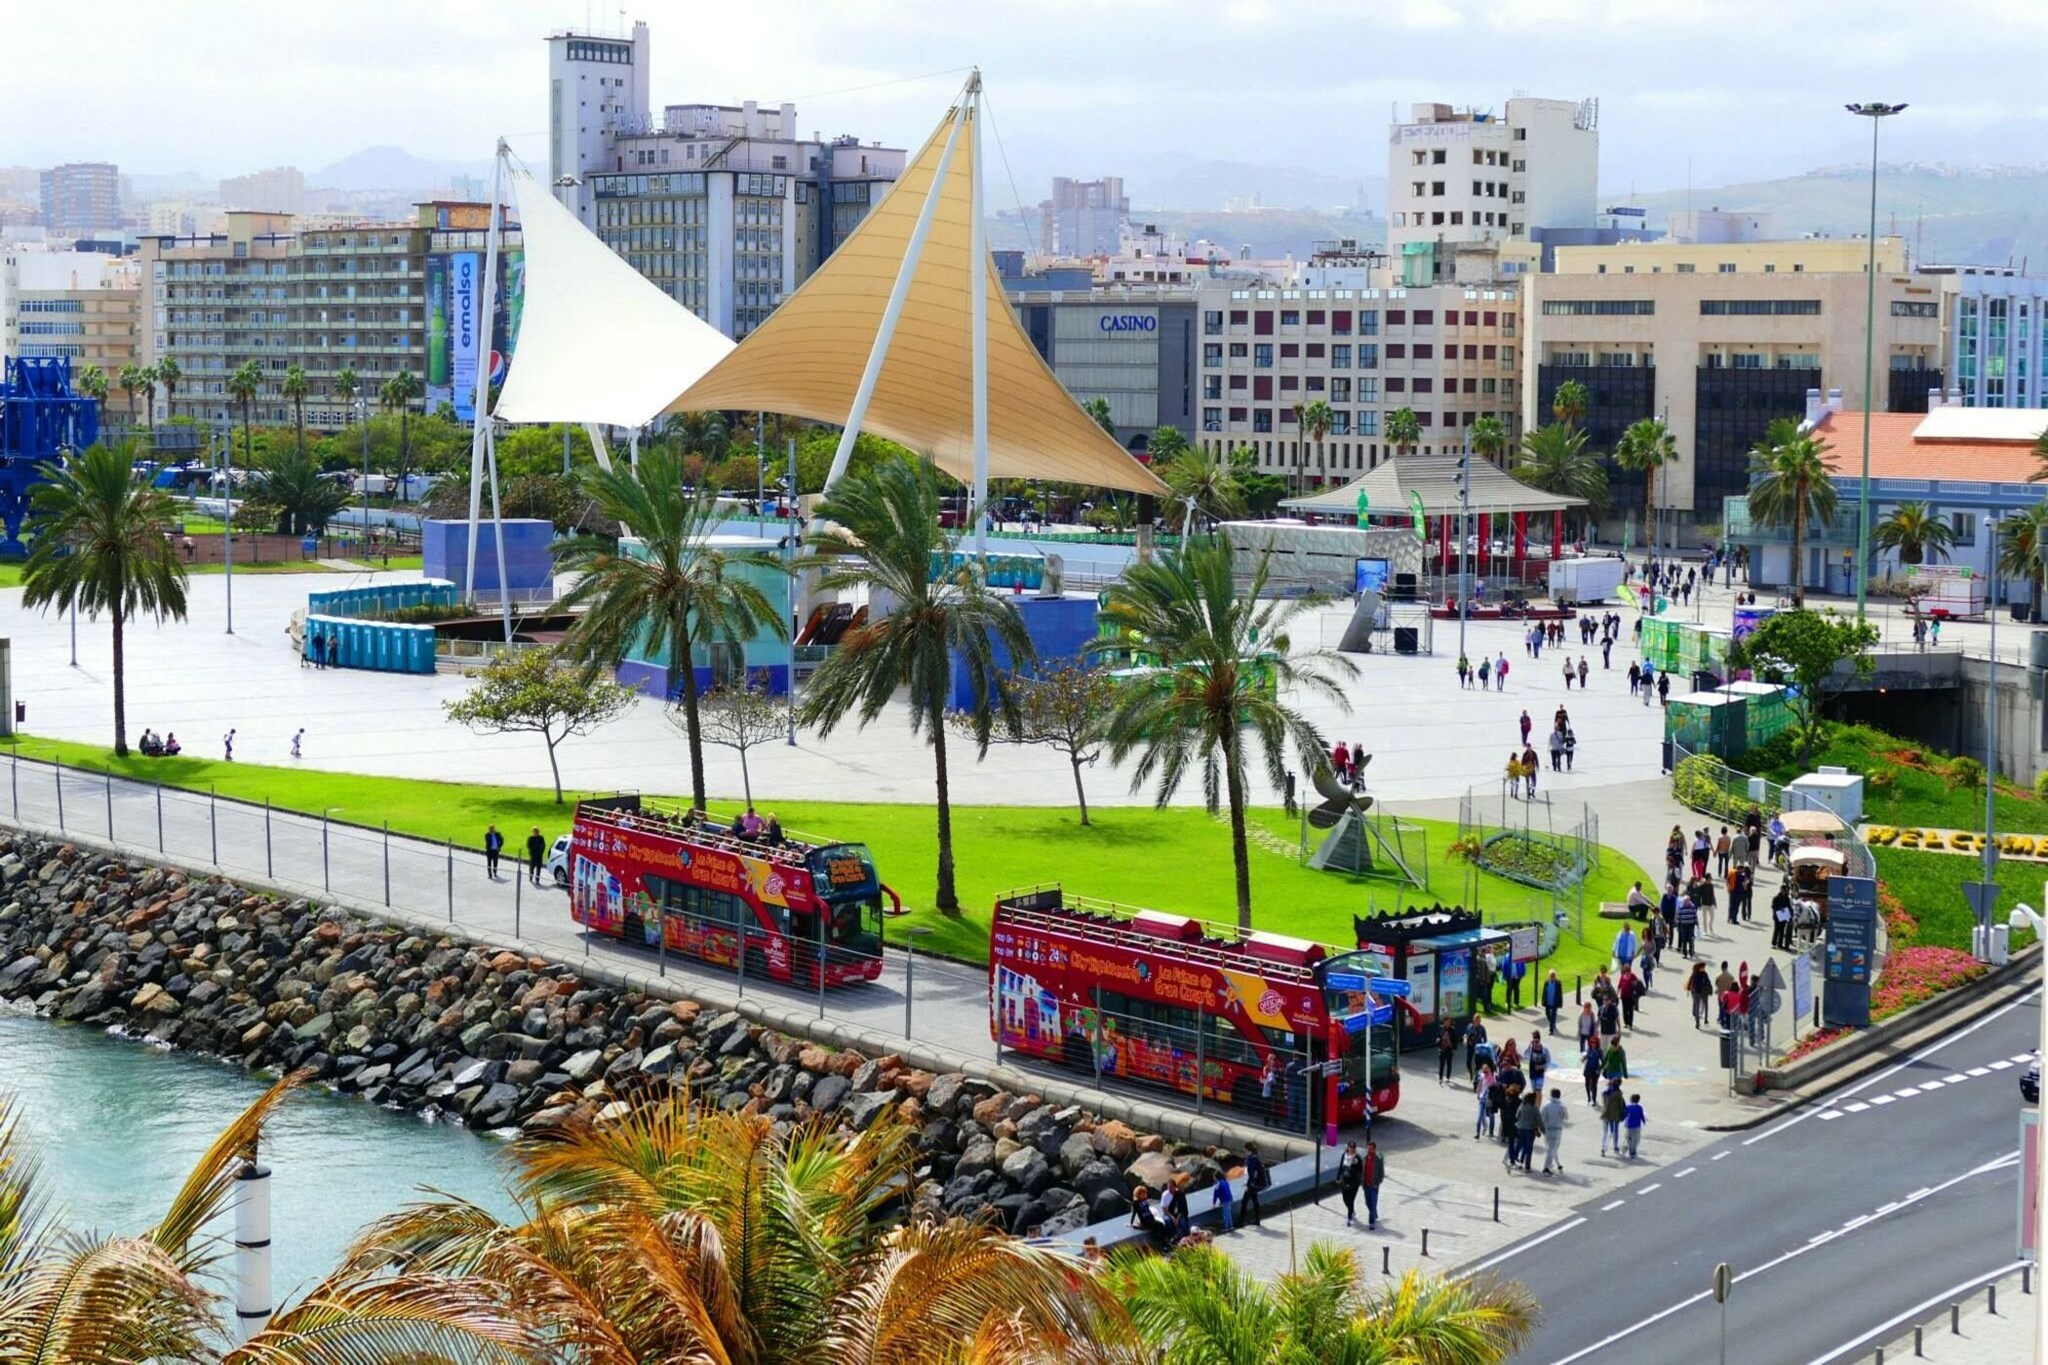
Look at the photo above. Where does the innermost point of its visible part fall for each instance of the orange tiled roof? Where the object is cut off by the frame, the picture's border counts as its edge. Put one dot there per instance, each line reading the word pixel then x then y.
pixel 1895 452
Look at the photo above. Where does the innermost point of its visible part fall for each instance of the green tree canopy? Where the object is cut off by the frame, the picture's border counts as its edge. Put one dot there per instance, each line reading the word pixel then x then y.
pixel 1806 649
pixel 1791 485
pixel 540 692
pixel 1916 531
pixel 1554 458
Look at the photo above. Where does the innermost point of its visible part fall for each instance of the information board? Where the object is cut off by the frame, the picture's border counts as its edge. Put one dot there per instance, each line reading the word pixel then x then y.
pixel 1850 951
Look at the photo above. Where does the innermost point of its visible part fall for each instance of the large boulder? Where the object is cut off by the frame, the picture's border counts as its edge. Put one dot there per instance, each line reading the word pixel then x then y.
pixel 1028 1170
pixel 829 1090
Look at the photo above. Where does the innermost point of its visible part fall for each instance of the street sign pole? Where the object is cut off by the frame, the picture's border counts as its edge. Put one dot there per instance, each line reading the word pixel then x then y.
pixel 1724 1282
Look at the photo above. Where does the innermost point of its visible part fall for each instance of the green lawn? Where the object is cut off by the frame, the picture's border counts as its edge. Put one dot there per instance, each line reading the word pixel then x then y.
pixel 1177 859
pixel 1900 793
pixel 1930 886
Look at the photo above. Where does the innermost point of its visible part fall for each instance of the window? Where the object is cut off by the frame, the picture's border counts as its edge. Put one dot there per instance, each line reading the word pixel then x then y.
pixel 1396 384
pixel 1782 308
pixel 1262 419
pixel 1486 386
pixel 1368 390
pixel 1397 317
pixel 1262 323
pixel 1262 388
pixel 1598 308
pixel 1369 322
pixel 1424 351
pixel 1315 350
pixel 1290 317
pixel 1290 383
pixel 1746 360
pixel 1340 356
pixel 1212 387
pixel 1964 524
pixel 1262 355
pixel 1397 350
pixel 1212 354
pixel 1340 322
pixel 1290 350
pixel 1800 360
pixel 1239 350
pixel 1368 422
pixel 1238 317
pixel 1340 389
pixel 1686 268
pixel 1368 357
pixel 1425 317
pixel 1726 267
pixel 1425 385
pixel 1507 356
pixel 1315 317
pixel 1212 419
pixel 1212 322
pixel 1436 157
pixel 1902 308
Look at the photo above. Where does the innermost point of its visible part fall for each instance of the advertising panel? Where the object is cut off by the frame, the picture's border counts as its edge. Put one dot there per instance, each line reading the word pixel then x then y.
pixel 437 322
pixel 465 303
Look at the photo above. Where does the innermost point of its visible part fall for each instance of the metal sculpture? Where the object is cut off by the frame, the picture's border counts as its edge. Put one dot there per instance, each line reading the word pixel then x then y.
pixel 41 420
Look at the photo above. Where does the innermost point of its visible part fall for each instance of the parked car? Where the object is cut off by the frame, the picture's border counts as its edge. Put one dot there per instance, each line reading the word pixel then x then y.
pixel 557 865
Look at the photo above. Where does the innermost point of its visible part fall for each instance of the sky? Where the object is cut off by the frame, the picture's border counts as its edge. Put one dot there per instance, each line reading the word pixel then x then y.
pixel 1691 91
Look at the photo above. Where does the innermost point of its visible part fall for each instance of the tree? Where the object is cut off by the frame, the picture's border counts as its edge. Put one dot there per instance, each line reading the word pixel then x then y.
pixel 1314 421
pixel 1804 648
pixel 305 501
pixel 101 545
pixel 1403 430
pixel 701 433
pixel 2023 549
pixel 1206 483
pixel 149 383
pixel 347 384
pixel 168 373
pixel 1489 437
pixel 668 590
pixel 1166 445
pixel 1224 660
pixel 882 534
pixel 1098 412
pixel 1791 484
pixel 1554 458
pixel 1644 448
pixel 92 382
pixel 2041 457
pixel 1066 709
pixel 1568 405
pixel 1198 1307
pixel 680 1233
pixel 738 718
pixel 400 394
pixel 243 386
pixel 131 384
pixel 1915 531
pixel 294 388
pixel 539 692
pixel 1260 491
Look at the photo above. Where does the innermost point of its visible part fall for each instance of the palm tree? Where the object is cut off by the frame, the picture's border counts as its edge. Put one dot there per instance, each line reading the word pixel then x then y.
pixel 1314 421
pixel 243 386
pixel 1644 448
pixel 882 534
pixel 1554 458
pixel 2041 456
pixel 1206 482
pixel 1166 446
pixel 92 382
pixel 295 390
pixel 347 384
pixel 701 433
pixel 131 384
pixel 400 394
pixel 305 500
pixel 1098 411
pixel 1791 484
pixel 1915 531
pixel 150 380
pixel 669 590
pixel 68 1295
pixel 168 373
pixel 2023 549
pixel 1224 660
pixel 1568 405
pixel 681 1234
pixel 1489 438
pixel 1198 1307
pixel 100 546
pixel 1403 430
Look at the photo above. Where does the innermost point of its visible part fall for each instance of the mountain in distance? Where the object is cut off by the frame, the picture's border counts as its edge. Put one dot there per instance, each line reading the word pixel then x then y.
pixel 1947 215
pixel 391 168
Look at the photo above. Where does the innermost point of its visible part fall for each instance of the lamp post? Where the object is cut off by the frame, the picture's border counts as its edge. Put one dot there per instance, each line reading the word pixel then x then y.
pixel 227 519
pixel 363 420
pixel 1991 732
pixel 1876 113
pixel 2023 917
pixel 1464 516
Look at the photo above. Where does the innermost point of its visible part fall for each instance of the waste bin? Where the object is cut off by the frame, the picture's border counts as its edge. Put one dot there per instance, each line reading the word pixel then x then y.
pixel 1727 1049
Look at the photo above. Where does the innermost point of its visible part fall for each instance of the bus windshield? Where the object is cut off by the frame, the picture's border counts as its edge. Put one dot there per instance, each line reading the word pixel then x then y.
pixel 844 877
pixel 1385 1058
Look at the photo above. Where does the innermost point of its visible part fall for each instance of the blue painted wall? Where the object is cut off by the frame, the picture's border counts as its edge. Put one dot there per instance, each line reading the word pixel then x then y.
pixel 529 544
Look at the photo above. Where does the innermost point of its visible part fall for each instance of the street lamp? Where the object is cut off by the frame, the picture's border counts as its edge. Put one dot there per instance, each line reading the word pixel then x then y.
pixel 2023 917
pixel 1877 114
pixel 363 420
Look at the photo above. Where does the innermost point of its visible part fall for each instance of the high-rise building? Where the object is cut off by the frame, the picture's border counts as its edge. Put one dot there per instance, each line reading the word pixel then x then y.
pixel 281 189
pixel 1083 217
pixel 1994 335
pixel 82 198
pixel 1456 177
pixel 597 85
pixel 1717 340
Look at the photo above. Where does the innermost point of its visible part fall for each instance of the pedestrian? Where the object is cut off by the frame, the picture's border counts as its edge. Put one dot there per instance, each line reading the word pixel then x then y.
pixel 1610 1016
pixel 1738 847
pixel 1512 973
pixel 1663 689
pixel 1557 751
pixel 1269 1089
pixel 1510 1108
pixel 1635 678
pixel 1529 769
pixel 1222 1199
pixel 1781 920
pixel 1349 1178
pixel 1526 725
pixel 1464 672
pixel 1568 674
pixel 1688 923
pixel 1514 774
pixel 1646 961
pixel 1583 671
pixel 1487 1090
pixel 1371 1177
pixel 1483 976
pixel 1629 987
pixel 1571 747
pixel 1484 669
pixel 1607 653
pixel 1701 848
pixel 1446 1049
pixel 1589 1028
pixel 1537 1059
pixel 1175 1206
pixel 1256 1179
pixel 1612 1111
pixel 1625 945
pixel 1552 1000
pixel 1475 1037
pixel 1554 1119
pixel 536 854
pixel 1500 674
pixel 298 742
pixel 494 846
pixel 1528 1127
pixel 1721 851
pixel 1934 632
pixel 1701 988
pixel 1595 1058
pixel 227 744
pixel 1614 1063
pixel 1634 1120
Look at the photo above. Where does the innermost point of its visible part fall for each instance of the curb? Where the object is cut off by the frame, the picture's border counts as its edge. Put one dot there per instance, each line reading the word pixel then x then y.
pixel 1174 1124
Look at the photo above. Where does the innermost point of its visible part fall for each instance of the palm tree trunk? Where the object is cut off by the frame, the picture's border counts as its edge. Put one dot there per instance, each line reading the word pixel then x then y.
pixel 681 661
pixel 1240 858
pixel 1650 508
pixel 949 897
pixel 1798 567
pixel 1080 792
pixel 405 458
pixel 120 692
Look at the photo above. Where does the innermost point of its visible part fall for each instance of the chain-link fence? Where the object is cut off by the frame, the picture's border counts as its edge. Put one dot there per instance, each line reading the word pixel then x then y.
pixel 1542 847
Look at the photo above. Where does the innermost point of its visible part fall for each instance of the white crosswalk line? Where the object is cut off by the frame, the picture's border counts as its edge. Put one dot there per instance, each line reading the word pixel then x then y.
pixel 2000 1065
pixel 1831 1114
pixel 1953 1077
pixel 1979 1071
pixel 1719 1155
pixel 1884 1099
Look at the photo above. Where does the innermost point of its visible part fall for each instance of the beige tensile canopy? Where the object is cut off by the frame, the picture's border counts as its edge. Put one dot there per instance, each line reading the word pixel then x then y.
pixel 1811 822
pixel 808 358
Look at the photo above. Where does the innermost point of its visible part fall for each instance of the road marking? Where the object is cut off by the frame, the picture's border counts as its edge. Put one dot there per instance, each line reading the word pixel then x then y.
pixel 1832 1114
pixel 1684 1173
pixel 1894 1070
pixel 2023 1057
pixel 2000 1065
pixel 1908 1091
pixel 1651 1189
pixel 2000 1163
pixel 1719 1155
pixel 1979 1071
pixel 1932 1084
pixel 1918 1310
pixel 1855 1108
pixel 1560 1230
pixel 1884 1099
pixel 1953 1077
pixel 1610 1208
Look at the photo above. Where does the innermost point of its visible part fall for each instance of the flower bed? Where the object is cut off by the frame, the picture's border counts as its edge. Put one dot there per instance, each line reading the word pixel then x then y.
pixel 1913 973
pixel 1532 863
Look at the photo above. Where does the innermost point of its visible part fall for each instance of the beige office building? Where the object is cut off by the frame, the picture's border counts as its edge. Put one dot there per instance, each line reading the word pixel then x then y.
pixel 78 305
pixel 1718 340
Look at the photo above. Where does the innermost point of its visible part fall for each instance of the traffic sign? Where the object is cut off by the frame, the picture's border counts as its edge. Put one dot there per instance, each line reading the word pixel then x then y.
pixel 1344 981
pixel 1724 1281
pixel 1982 898
pixel 1770 978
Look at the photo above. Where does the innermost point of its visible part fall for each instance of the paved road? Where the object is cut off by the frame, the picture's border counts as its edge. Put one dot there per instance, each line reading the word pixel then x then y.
pixel 1897 1190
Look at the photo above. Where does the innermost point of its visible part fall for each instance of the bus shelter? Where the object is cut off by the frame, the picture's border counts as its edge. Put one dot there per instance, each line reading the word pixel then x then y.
pixel 1429 954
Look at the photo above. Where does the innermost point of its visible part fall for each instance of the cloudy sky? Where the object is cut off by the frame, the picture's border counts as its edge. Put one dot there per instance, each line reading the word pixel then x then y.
pixel 1722 90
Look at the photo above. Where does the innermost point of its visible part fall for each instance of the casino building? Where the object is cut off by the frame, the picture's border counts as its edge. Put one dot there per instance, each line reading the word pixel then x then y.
pixel 1131 344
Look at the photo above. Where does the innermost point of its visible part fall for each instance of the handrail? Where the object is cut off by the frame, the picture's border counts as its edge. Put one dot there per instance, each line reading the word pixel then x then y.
pixel 1084 924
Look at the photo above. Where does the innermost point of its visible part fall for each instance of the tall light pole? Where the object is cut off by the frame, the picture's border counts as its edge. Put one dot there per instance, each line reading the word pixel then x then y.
pixel 1877 114
pixel 2024 917
pixel 227 519
pixel 1464 515
pixel 563 186
pixel 363 420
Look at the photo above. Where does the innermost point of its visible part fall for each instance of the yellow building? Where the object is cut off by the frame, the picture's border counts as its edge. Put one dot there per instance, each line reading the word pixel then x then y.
pixel 1797 256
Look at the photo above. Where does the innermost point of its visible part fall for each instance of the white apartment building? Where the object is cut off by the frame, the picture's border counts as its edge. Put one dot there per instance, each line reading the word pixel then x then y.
pixel 596 84
pixel 1993 338
pixel 77 304
pixel 1462 176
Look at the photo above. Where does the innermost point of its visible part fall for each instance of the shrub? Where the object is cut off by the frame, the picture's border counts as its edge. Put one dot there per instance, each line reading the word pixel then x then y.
pixel 1880 780
pixel 1963 772
pixel 2041 786
pixel 1698 782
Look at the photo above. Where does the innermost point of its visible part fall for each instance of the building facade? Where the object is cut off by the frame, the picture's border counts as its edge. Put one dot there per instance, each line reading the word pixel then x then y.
pixel 1458 176
pixel 281 189
pixel 1666 330
pixel 597 85
pixel 82 199
pixel 1083 217
pixel 1993 341
pixel 79 305
pixel 1133 346
pixel 1449 354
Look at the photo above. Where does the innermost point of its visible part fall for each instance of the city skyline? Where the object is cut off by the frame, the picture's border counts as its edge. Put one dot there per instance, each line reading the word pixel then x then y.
pixel 1689 93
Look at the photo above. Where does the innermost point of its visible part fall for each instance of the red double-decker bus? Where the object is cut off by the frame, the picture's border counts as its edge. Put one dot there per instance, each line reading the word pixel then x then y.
pixel 1252 1020
pixel 793 909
